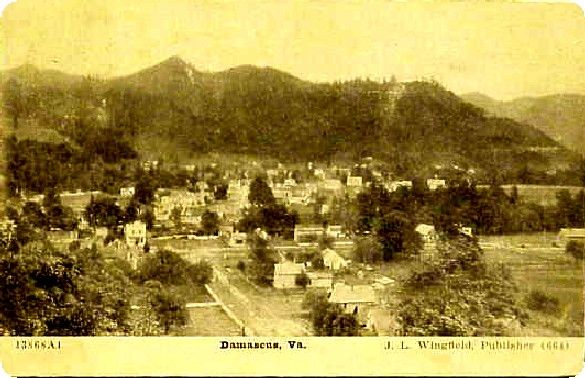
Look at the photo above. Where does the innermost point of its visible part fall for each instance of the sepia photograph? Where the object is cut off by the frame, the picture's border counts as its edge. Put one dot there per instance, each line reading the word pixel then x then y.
pixel 292 169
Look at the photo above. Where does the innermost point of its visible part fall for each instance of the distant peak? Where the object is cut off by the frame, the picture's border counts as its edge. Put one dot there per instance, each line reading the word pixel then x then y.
pixel 27 67
pixel 174 60
pixel 477 95
pixel 250 69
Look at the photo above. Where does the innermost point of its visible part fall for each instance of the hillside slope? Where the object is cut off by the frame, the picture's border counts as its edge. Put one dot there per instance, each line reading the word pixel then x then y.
pixel 263 111
pixel 561 117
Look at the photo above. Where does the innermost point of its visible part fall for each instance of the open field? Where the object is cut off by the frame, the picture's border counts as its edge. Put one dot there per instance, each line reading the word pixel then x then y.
pixel 539 266
pixel 544 195
pixel 531 258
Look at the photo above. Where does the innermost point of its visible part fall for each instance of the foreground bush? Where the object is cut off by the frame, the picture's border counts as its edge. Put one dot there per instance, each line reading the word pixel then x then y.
pixel 576 249
pixel 328 319
pixel 539 301
pixel 459 295
pixel 169 268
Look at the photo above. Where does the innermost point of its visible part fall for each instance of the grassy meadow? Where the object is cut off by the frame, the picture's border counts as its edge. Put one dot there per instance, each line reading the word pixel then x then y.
pixel 536 265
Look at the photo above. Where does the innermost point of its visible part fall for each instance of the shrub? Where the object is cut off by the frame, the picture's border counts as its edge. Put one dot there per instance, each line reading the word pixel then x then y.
pixel 328 319
pixel 302 280
pixel 241 265
pixel 540 301
pixel 170 268
pixel 576 249
pixel 460 295
pixel 317 262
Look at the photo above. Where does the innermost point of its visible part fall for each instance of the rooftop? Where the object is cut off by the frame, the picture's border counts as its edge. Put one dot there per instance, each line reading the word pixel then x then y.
pixel 288 267
pixel 343 293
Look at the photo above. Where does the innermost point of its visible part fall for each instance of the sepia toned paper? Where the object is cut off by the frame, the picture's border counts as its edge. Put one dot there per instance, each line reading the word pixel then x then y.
pixel 506 50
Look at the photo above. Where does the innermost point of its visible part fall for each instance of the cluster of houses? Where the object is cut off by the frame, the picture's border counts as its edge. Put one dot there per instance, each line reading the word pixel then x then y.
pixel 358 299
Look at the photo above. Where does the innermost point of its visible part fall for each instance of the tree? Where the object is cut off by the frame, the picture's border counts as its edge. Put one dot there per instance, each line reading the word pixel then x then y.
pixel 262 257
pixel 49 293
pixel 148 218
pixel 51 198
pixel 176 216
pixel 514 195
pixel 210 222
pixel 576 249
pixel 367 250
pixel 169 268
pixel 13 100
pixel 220 192
pixel 327 318
pixel 145 188
pixel 459 295
pixel 169 307
pixel 132 211
pixel 395 232
pixel 103 212
pixel 260 193
pixel 34 216
pixel 302 280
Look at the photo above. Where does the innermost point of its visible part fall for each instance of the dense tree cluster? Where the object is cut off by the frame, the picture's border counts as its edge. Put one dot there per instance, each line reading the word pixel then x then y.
pixel 47 292
pixel 460 295
pixel 327 318
pixel 389 216
pixel 266 214
pixel 268 112
pixel 263 257
pixel 82 292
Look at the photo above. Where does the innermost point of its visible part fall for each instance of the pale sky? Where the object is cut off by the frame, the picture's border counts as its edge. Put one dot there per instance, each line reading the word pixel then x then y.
pixel 504 50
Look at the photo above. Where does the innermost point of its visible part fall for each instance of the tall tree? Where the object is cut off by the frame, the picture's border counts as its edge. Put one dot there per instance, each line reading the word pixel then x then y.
pixel 210 222
pixel 260 193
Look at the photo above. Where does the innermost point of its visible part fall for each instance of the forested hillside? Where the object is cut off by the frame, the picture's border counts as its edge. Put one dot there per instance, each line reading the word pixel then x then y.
pixel 262 111
pixel 561 117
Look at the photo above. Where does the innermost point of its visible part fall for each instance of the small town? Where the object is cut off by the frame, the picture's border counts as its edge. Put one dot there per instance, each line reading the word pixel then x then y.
pixel 275 242
pixel 291 169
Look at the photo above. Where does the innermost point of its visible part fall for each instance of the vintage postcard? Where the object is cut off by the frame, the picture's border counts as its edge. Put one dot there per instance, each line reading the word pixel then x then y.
pixel 267 187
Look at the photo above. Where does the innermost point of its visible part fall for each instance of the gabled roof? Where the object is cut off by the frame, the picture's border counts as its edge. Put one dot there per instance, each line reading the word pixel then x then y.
pixel 343 293
pixel 572 232
pixel 331 255
pixel 424 228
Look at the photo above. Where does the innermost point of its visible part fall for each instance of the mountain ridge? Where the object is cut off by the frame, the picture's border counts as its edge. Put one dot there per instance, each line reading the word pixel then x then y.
pixel 560 116
pixel 261 110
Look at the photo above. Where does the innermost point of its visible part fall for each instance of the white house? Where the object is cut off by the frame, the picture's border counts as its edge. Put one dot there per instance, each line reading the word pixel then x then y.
pixel 354 181
pixel 393 186
pixel 468 231
pixel 427 232
pixel 429 237
pixel 307 235
pixel 434 184
pixel 354 299
pixel 127 191
pixel 135 233
pixel 7 228
pixel 332 260
pixel 323 280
